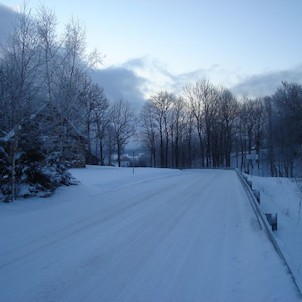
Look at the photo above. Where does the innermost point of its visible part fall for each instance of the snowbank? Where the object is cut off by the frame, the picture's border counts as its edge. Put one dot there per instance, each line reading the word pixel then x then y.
pixel 283 196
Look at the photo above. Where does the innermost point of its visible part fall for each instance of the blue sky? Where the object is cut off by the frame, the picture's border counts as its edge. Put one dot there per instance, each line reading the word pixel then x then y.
pixel 247 46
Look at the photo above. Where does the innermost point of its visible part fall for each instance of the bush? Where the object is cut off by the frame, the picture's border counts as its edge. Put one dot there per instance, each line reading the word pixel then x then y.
pixel 37 173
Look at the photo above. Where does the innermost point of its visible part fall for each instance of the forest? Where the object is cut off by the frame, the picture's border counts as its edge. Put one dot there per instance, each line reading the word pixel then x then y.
pixel 54 116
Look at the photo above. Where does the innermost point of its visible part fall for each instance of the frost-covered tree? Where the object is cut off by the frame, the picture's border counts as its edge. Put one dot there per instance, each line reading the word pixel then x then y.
pixel 19 69
pixel 49 51
pixel 38 68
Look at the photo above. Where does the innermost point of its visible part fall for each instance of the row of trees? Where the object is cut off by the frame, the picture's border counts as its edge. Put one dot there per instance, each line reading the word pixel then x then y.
pixel 202 128
pixel 209 127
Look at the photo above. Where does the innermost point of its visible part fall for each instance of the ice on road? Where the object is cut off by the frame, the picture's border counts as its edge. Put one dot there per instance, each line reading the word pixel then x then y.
pixel 157 235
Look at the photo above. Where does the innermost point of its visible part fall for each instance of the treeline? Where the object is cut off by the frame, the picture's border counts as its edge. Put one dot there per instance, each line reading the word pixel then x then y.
pixel 49 103
pixel 210 127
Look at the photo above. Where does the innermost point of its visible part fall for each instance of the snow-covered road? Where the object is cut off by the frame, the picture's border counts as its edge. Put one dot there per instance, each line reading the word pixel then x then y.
pixel 157 235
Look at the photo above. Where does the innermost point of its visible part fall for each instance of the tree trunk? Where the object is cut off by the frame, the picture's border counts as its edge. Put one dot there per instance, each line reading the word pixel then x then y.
pixel 13 158
pixel 119 154
pixel 101 153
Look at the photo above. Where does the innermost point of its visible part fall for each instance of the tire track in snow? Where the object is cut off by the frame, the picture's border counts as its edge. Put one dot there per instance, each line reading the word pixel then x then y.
pixel 51 238
pixel 64 231
pixel 88 271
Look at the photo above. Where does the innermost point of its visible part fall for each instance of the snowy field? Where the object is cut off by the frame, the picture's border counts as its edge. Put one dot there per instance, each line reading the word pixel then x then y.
pixel 157 235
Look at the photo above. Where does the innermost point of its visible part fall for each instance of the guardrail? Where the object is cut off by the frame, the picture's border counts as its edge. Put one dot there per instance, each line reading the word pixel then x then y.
pixel 264 224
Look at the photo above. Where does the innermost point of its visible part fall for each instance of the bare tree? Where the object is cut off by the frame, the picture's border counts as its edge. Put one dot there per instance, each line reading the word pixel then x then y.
pixel 100 118
pixel 123 121
pixel 269 134
pixel 203 98
pixel 228 112
pixel 178 125
pixel 187 148
pixel 167 130
pixel 161 104
pixel 148 134
pixel 92 101
pixel 250 129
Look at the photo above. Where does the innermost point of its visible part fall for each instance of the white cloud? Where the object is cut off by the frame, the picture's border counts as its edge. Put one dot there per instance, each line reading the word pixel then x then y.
pixel 158 77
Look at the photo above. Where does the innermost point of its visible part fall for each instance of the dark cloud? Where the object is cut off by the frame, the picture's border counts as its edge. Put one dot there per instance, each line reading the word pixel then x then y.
pixel 265 84
pixel 7 18
pixel 120 82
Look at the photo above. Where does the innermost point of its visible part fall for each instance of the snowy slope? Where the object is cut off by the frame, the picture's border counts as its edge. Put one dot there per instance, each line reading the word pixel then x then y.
pixel 282 196
pixel 157 235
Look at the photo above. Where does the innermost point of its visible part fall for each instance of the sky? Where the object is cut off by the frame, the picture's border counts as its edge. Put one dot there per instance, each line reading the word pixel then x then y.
pixel 248 46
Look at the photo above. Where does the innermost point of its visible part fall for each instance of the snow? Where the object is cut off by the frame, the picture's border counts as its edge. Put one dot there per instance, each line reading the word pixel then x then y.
pixel 282 196
pixel 155 235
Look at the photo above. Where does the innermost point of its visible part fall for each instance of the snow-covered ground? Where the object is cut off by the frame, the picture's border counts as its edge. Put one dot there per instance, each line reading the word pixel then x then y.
pixel 283 196
pixel 157 235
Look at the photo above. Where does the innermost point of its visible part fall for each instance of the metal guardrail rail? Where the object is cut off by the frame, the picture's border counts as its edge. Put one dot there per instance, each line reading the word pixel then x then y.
pixel 265 226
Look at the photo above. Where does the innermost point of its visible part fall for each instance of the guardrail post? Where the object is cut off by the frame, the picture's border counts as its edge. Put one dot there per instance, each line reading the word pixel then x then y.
pixel 272 220
pixel 275 223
